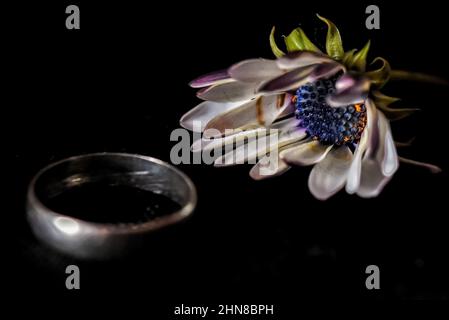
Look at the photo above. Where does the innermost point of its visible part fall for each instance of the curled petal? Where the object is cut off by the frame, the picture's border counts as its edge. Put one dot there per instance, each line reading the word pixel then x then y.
pixel 372 180
pixel 288 81
pixel 299 76
pixel 388 155
pixel 211 79
pixel 329 175
pixel 254 70
pixel 380 161
pixel 325 70
pixel 299 59
pixel 349 90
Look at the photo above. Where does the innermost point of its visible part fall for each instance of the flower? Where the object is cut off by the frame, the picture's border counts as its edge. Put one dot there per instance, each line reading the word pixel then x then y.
pixel 327 107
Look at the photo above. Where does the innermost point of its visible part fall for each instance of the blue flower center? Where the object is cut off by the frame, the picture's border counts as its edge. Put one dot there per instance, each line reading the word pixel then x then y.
pixel 343 125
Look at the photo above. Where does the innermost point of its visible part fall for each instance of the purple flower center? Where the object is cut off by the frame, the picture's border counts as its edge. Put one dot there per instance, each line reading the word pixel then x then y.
pixel 342 125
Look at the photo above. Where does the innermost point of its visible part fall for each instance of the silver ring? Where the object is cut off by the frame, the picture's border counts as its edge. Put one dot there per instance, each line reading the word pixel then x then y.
pixel 85 239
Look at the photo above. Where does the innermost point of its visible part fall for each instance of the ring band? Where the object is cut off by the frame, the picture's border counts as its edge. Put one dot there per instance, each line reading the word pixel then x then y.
pixel 85 239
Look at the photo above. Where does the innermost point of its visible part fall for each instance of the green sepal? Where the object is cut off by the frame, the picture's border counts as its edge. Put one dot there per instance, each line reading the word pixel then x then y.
pixel 380 76
pixel 334 45
pixel 298 41
pixel 274 48
pixel 348 57
pixel 383 101
pixel 359 59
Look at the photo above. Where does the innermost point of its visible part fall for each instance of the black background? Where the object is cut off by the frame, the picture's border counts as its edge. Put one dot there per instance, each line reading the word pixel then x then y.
pixel 120 84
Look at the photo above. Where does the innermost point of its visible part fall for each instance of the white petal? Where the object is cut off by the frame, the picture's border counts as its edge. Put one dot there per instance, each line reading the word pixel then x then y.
pixel 235 136
pixel 380 161
pixel 258 147
pixel 365 148
pixel 329 175
pixel 268 167
pixel 272 165
pixel 372 180
pixel 389 155
pixel 204 112
pixel 355 169
pixel 254 70
pixel 259 112
pixel 229 92
pixel 372 129
pixel 306 154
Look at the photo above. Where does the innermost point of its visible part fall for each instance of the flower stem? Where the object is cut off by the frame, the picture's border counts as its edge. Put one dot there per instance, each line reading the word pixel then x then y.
pixel 417 76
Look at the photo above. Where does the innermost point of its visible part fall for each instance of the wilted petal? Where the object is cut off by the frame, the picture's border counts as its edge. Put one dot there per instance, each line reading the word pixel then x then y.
pixel 255 70
pixel 288 81
pixel 306 154
pixel 329 175
pixel 204 112
pixel 299 59
pixel 229 92
pixel 325 70
pixel 211 79
pixel 259 112
pixel 349 90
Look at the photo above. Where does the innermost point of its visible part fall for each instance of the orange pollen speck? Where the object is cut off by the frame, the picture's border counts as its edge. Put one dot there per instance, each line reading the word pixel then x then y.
pixel 294 99
pixel 358 107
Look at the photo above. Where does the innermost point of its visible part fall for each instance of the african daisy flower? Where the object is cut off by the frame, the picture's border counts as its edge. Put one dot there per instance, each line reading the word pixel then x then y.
pixel 327 109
